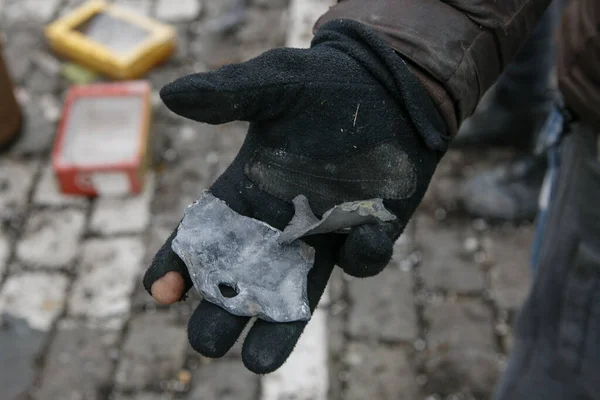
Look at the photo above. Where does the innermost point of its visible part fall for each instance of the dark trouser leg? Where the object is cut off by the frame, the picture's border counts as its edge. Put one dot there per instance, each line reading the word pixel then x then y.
pixel 557 334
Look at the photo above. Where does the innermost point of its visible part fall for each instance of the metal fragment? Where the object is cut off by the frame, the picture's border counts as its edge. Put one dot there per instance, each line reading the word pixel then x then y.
pixel 222 247
pixel 338 219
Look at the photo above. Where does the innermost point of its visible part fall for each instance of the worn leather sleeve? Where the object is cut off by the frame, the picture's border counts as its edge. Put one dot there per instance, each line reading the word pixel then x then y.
pixel 578 65
pixel 456 48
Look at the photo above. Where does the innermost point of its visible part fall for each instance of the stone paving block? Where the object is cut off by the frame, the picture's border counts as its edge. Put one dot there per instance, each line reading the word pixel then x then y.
pixel 302 16
pixel 36 297
pixel 228 143
pixel 20 347
pixel 131 214
pixel 16 179
pixel 181 10
pixel 336 328
pixel 29 304
pixel 263 26
pixel 379 372
pixel 224 380
pixel 276 3
pixel 188 179
pixel 143 7
pixel 78 363
pixel 509 249
pixel 182 53
pixel 447 257
pixel 4 252
pixel 304 375
pixel 383 307
pixel 143 396
pixel 38 130
pixel 69 5
pixel 20 34
pixel 41 11
pixel 153 242
pixel 51 238
pixel 154 351
pixel 107 273
pixel 461 349
pixel 47 192
pixel 38 82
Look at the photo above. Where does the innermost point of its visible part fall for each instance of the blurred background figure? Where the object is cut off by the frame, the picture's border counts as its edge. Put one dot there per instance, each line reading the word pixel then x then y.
pixel 511 114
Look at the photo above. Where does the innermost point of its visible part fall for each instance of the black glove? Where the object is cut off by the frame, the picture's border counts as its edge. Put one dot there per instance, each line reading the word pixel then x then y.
pixel 344 120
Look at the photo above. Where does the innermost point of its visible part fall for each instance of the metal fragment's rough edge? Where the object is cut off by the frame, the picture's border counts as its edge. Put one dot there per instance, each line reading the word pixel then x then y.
pixel 336 219
pixel 220 246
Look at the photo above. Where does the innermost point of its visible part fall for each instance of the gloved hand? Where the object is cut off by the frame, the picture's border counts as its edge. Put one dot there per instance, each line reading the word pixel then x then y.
pixel 342 121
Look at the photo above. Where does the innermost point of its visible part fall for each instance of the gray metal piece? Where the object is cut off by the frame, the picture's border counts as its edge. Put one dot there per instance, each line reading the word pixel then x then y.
pixel 222 247
pixel 338 219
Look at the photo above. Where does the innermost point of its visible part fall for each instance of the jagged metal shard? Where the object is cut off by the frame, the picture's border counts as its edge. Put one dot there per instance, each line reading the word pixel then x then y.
pixel 338 219
pixel 222 248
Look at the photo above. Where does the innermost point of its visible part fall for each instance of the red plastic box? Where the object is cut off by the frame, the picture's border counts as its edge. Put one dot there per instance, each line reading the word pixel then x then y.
pixel 101 147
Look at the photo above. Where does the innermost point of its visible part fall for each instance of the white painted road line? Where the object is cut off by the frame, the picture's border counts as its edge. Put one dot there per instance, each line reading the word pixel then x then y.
pixel 305 375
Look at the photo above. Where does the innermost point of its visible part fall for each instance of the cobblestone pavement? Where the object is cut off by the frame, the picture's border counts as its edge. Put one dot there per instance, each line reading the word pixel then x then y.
pixel 77 324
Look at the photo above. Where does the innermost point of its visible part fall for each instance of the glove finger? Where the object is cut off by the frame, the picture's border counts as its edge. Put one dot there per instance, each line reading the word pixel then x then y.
pixel 166 261
pixel 212 331
pixel 366 251
pixel 269 344
pixel 247 91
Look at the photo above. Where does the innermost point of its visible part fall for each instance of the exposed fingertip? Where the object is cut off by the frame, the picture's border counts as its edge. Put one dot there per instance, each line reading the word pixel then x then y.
pixel 169 289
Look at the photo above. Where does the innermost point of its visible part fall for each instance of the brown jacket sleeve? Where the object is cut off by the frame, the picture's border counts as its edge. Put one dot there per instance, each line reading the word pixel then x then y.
pixel 456 48
pixel 578 65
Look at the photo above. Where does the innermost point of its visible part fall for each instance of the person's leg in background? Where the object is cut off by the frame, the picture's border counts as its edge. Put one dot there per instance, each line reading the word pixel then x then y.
pixel 511 114
pixel 557 334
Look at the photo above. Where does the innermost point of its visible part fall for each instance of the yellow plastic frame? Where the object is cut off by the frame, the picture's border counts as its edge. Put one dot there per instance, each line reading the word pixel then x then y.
pixel 66 40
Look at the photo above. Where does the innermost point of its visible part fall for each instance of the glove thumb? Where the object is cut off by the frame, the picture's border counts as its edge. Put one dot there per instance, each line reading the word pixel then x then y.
pixel 258 89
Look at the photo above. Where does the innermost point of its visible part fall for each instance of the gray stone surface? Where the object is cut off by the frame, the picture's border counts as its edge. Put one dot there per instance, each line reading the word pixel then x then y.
pixel 106 277
pixel 41 11
pixel 79 363
pixel 16 179
pixel 379 372
pixel 143 7
pixel 111 216
pixel 51 238
pixel 20 347
pixel 37 297
pixel 47 191
pixel 383 307
pixel 223 380
pixel 461 355
pixel 153 351
pixel 177 11
pixel 509 250
pixel 446 263
pixel 5 245
pixel 187 178
pixel 21 33
pixel 38 129
pixel 143 396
